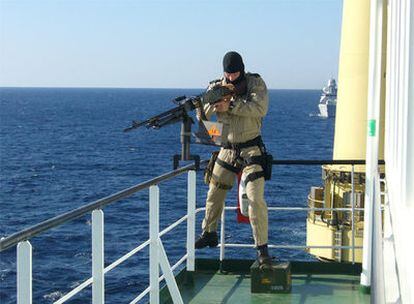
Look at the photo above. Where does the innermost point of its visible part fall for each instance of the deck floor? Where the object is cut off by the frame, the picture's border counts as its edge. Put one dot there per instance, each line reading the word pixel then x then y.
pixel 235 288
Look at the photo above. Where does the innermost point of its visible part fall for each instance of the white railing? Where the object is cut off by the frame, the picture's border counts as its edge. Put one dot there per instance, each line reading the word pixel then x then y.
pixel 157 257
pixel 352 209
pixel 223 244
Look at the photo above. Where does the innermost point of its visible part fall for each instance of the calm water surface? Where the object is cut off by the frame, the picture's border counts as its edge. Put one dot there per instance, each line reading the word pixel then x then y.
pixel 63 148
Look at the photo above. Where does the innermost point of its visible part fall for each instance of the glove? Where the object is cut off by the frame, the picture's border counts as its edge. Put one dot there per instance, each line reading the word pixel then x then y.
pixel 218 93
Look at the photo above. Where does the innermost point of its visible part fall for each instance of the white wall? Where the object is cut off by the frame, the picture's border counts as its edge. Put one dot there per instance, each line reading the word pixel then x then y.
pixel 399 153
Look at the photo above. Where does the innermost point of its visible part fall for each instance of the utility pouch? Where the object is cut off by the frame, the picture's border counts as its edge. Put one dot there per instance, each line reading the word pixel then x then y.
pixel 267 165
pixel 208 172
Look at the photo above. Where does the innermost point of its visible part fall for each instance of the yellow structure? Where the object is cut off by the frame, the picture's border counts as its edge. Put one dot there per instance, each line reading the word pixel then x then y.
pixel 335 227
pixel 351 109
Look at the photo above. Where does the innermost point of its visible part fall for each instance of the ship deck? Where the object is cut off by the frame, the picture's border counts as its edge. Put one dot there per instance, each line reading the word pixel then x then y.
pixel 312 282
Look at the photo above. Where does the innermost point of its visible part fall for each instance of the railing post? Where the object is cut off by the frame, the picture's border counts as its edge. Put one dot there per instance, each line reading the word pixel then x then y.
pixel 191 205
pixel 353 213
pixel 24 273
pixel 169 275
pixel 375 74
pixel 154 198
pixel 98 284
pixel 222 234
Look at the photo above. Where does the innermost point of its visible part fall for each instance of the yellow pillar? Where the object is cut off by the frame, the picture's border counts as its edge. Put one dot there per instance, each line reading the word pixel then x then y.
pixel 351 109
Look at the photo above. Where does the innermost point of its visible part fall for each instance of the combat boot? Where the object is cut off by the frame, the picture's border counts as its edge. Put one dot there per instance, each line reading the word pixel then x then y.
pixel 207 239
pixel 265 261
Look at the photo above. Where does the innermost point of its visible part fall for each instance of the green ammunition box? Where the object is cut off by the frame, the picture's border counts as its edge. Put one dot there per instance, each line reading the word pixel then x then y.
pixel 274 280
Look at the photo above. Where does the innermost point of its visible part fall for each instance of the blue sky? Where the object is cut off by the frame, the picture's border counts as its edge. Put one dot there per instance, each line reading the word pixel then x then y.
pixel 166 44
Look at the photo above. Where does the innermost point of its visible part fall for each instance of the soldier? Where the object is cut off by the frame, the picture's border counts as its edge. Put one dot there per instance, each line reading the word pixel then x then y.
pixel 242 118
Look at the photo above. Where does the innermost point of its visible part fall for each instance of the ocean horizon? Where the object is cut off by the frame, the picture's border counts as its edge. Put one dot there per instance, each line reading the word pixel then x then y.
pixel 62 148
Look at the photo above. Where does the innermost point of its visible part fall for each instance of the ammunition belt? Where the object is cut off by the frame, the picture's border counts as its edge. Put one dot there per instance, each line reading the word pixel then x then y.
pixel 265 160
pixel 257 141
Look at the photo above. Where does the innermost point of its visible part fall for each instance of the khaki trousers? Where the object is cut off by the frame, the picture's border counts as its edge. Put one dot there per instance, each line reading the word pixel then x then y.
pixel 255 192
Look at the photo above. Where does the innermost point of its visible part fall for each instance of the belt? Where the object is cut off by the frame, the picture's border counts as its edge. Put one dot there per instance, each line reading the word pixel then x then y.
pixel 257 141
pixel 228 166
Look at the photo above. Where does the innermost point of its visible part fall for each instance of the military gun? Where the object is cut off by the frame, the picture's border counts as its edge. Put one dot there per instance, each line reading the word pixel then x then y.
pixel 181 113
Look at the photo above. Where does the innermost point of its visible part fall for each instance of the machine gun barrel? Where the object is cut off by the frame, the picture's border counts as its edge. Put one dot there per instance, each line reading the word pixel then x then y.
pixel 159 120
pixel 185 104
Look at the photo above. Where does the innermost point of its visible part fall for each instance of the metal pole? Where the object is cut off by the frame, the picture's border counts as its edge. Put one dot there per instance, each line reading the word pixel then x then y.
pixel 191 206
pixel 222 234
pixel 185 138
pixel 98 284
pixel 372 142
pixel 154 198
pixel 353 214
pixel 24 273
pixel 332 199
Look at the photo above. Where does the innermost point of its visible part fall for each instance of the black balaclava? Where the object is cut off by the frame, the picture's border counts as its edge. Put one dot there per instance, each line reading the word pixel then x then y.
pixel 232 63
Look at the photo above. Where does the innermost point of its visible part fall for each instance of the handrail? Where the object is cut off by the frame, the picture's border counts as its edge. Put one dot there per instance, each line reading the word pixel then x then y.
pixel 122 259
pixel 310 162
pixel 158 256
pixel 37 229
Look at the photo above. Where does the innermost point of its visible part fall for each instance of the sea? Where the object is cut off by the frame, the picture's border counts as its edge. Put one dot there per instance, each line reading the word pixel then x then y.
pixel 61 148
